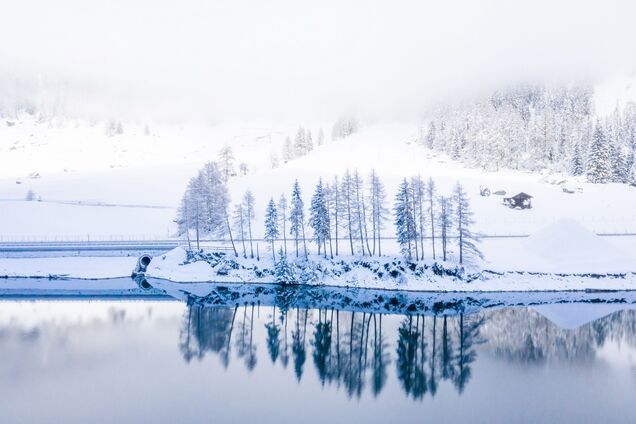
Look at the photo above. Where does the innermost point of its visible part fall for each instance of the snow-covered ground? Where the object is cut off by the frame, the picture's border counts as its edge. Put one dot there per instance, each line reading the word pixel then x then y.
pixel 107 184
pixel 68 267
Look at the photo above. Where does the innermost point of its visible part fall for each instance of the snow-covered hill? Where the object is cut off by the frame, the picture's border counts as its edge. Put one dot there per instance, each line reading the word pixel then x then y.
pixel 129 184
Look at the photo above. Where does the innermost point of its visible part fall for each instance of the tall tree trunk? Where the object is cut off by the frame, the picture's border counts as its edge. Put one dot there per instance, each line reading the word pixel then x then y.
pixel 304 239
pixel 420 201
pixel 432 227
pixel 366 235
pixel 229 230
pixel 249 229
pixel 336 214
pixel 417 253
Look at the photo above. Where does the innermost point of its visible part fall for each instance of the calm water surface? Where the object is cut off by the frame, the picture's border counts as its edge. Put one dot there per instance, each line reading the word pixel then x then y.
pixel 165 361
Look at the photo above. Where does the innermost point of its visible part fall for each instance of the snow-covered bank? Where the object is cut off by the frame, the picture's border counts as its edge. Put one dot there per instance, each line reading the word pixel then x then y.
pixel 67 267
pixel 385 272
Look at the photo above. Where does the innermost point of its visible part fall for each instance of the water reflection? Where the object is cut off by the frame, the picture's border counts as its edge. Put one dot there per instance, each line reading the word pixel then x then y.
pixel 354 350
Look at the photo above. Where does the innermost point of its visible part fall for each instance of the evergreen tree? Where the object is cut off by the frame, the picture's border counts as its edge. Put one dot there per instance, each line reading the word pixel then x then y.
pixel 300 143
pixel 321 137
pixel 430 136
pixel 282 216
pixel 467 240
pixel 297 217
pixel 248 208
pixel 576 162
pixel 599 168
pixel 379 211
pixel 271 225
pixel 348 207
pixel 445 222
pixel 319 217
pixel 283 271
pixel 226 162
pixel 404 221
pixel 288 150
pixel 430 194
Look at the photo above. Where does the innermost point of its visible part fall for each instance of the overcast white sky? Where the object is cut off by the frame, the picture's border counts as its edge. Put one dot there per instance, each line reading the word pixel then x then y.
pixel 288 58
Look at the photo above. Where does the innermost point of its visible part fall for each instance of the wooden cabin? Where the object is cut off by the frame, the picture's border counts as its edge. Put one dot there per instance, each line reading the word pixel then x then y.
pixel 521 201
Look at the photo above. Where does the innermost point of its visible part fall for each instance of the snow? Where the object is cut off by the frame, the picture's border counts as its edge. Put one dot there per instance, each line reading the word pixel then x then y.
pixel 564 246
pixel 68 267
pixel 79 165
pixel 172 267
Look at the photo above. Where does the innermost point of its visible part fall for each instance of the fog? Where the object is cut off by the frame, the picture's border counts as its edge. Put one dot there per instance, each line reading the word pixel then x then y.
pixel 285 59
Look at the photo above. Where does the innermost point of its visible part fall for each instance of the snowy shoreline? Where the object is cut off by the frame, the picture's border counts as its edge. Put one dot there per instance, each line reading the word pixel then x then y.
pixel 390 273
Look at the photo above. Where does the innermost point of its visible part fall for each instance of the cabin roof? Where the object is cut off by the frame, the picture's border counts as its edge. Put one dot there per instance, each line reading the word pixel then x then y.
pixel 521 196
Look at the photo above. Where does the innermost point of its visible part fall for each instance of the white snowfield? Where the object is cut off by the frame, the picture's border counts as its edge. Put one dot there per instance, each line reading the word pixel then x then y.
pixel 68 267
pixel 129 185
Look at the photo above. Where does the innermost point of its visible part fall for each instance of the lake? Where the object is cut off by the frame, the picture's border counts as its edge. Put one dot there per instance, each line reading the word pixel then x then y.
pixel 119 360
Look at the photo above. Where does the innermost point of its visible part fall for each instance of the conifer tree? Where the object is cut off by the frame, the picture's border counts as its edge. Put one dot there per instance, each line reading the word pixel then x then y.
pixel 282 216
pixel 271 225
pixel 319 218
pixel 466 239
pixel 248 208
pixel 430 194
pixel 283 271
pixel 599 161
pixel 297 217
pixel 226 162
pixel 404 222
pixel 445 222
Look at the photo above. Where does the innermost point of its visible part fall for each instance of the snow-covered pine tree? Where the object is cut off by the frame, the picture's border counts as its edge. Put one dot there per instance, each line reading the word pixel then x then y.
pixel 297 217
pixel 445 222
pixel 359 207
pixel 288 150
pixel 282 216
pixel 309 142
pixel 404 222
pixel 466 239
pixel 430 194
pixel 632 174
pixel 283 271
pixel 319 218
pixel 271 225
pixel 248 208
pixel 599 167
pixel 379 211
pixel 300 147
pixel 204 205
pixel 577 167
pixel 226 162
pixel 348 208
pixel 321 137
pixel 430 135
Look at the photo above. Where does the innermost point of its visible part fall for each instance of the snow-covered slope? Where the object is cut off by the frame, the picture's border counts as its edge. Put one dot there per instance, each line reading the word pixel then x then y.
pixel 82 167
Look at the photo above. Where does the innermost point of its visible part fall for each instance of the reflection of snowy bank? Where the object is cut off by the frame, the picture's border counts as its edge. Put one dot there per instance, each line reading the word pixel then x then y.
pixel 376 300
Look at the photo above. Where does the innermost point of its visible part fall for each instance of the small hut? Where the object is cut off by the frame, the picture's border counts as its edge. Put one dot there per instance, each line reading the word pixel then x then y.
pixel 521 201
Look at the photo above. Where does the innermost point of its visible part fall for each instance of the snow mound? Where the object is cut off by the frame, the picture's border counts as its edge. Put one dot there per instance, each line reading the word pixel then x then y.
pixel 566 246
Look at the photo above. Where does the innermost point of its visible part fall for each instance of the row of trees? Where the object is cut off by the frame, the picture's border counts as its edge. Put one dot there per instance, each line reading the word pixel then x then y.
pixel 303 142
pixel 536 128
pixel 349 349
pixel 347 208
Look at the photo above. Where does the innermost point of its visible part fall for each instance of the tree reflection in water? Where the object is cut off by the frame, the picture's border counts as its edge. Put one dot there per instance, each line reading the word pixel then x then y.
pixel 353 350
